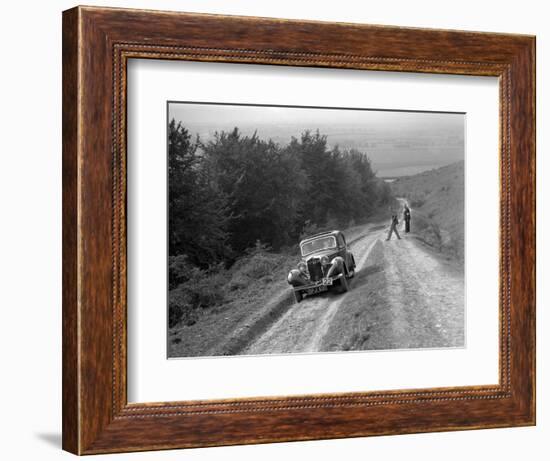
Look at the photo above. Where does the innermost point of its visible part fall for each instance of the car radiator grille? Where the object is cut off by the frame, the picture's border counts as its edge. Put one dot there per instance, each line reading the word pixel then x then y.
pixel 315 270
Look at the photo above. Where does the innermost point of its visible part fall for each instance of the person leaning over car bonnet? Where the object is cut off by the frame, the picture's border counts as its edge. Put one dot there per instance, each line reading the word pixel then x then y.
pixel 393 227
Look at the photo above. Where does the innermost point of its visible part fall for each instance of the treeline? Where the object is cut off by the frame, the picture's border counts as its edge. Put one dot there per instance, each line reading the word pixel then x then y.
pixel 227 194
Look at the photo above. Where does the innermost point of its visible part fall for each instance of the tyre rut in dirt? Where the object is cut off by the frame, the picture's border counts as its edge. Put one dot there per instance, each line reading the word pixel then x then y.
pixel 236 343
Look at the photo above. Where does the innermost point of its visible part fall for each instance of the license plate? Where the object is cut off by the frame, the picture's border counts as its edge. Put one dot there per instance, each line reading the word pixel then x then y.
pixel 318 289
pixel 327 281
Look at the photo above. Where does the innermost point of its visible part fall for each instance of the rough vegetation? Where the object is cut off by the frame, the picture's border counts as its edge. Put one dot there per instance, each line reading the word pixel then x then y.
pixel 437 199
pixel 200 290
pixel 239 204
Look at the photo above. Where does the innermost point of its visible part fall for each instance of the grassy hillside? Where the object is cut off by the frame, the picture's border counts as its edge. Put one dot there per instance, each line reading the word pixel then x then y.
pixel 437 201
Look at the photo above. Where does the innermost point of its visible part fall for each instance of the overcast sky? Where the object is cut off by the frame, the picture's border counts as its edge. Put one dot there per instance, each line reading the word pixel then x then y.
pixel 395 141
pixel 223 115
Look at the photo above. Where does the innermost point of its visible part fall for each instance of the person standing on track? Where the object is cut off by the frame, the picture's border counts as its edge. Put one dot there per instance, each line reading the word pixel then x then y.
pixel 393 227
pixel 407 218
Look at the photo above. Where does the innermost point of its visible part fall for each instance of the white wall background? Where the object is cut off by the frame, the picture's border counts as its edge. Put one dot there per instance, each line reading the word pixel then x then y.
pixel 30 232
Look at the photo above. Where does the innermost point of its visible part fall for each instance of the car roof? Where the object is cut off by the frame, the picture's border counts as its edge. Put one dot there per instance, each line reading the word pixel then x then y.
pixel 321 234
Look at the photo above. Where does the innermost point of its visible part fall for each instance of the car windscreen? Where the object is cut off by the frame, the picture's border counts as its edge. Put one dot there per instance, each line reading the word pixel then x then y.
pixel 322 243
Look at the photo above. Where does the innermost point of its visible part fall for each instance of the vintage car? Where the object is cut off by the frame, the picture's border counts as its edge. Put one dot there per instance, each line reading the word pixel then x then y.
pixel 326 262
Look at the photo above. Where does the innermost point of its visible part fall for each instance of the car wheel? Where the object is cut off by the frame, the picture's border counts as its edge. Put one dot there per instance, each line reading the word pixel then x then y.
pixel 343 284
pixel 350 273
pixel 299 296
pixel 353 266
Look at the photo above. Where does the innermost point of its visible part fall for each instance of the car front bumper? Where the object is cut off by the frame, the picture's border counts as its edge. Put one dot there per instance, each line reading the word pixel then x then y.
pixel 319 286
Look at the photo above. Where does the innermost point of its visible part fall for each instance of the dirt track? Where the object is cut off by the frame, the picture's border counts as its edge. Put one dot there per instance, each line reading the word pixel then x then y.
pixel 404 295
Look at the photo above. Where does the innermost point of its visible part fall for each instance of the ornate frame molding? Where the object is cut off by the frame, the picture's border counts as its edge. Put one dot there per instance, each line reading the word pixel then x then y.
pixel 98 43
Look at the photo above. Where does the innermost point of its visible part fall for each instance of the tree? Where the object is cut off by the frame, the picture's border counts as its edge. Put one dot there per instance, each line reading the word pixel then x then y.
pixel 198 214
pixel 311 150
pixel 234 190
pixel 263 185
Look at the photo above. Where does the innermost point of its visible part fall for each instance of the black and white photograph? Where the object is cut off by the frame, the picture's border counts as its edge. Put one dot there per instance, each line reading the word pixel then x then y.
pixel 313 229
pixel 275 230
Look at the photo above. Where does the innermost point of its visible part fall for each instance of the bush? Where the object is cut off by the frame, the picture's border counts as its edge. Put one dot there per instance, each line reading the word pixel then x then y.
pixel 179 308
pixel 427 230
pixel 179 270
pixel 201 289
pixel 258 263
pixel 192 288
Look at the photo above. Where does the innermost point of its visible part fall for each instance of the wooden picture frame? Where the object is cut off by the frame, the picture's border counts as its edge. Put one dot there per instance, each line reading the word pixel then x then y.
pixel 97 43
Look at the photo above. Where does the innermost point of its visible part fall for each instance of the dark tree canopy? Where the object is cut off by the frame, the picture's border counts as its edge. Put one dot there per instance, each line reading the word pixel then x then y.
pixel 198 212
pixel 227 194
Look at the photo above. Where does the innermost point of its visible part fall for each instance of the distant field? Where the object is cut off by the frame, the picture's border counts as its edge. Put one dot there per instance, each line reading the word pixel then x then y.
pixel 391 172
pixel 437 199
pixel 394 149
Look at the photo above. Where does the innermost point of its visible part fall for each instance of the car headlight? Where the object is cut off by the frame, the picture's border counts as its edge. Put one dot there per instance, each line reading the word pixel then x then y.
pixel 338 260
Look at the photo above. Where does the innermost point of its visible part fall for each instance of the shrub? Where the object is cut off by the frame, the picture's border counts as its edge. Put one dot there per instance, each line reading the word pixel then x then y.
pixel 201 289
pixel 179 270
pixel 179 308
pixel 427 231
pixel 257 263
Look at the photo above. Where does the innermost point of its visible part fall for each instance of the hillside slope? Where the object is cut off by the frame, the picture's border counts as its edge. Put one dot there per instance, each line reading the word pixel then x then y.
pixel 437 199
